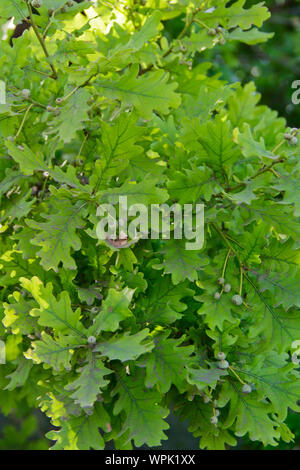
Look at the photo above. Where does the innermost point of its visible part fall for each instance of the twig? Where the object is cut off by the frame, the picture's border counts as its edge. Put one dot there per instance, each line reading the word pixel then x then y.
pixel 41 40
pixel 23 120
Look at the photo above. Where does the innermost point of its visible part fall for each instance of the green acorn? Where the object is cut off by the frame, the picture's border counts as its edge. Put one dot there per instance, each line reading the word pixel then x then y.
pixel 36 3
pixel 91 340
pixel 25 93
pixel 223 364
pixel 221 356
pixel 294 141
pixel 212 32
pixel 237 300
pixel 247 388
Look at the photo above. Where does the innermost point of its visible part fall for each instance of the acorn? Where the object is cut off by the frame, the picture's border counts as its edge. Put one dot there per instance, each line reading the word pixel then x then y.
pixel 294 141
pixel 223 364
pixel 221 355
pixel 247 388
pixel 36 3
pixel 91 340
pixel 25 93
pixel 237 300
pixel 212 32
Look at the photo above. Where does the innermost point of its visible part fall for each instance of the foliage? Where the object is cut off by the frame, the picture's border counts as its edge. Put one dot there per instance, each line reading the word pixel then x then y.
pixel 101 103
pixel 274 65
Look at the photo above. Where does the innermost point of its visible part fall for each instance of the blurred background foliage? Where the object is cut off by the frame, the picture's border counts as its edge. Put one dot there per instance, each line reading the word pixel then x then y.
pixel 273 66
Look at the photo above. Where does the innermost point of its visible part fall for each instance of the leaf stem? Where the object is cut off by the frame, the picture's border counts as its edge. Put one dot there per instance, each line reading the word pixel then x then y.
pixel 223 236
pixel 279 145
pixel 241 281
pixel 225 263
pixel 24 119
pixel 201 23
pixel 260 172
pixel 50 21
pixel 40 39
pixel 237 376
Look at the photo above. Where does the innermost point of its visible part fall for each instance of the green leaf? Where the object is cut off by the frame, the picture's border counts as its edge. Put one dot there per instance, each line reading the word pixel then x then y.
pixel 13 266
pixel 203 378
pixel 144 415
pixel 16 8
pixel 19 377
pixel 58 235
pixel 216 311
pixel 116 148
pixel 72 115
pixel 289 183
pixel 125 347
pixel 274 383
pixel 82 432
pixel 251 147
pixel 190 185
pixel 199 414
pixel 242 104
pixel 146 93
pixel 11 179
pixel 251 37
pixel 18 207
pixel 249 415
pixel 167 364
pixel 163 302
pixel 54 353
pixel 235 15
pixel 213 144
pixel 90 382
pixel 181 263
pixel 17 316
pixel 53 313
pixel 26 158
pixel 114 309
pixel 145 193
